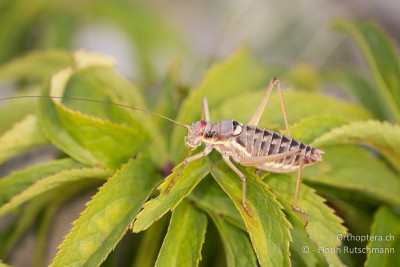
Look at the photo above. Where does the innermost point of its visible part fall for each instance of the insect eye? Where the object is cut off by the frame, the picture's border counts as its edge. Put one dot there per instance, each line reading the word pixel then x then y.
pixel 210 134
pixel 237 128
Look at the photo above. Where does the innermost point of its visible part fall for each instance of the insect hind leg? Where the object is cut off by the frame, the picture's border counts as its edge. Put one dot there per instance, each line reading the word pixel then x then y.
pixel 298 182
pixel 261 107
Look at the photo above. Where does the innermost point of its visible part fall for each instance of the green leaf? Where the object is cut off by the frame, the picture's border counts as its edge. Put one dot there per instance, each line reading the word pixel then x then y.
pixel 154 209
pixel 355 212
pixel 354 169
pixel 210 197
pixel 20 181
pixel 267 227
pixel 38 65
pixel 323 226
pixel 51 182
pixel 240 73
pixel 150 244
pixel 237 246
pixel 383 249
pixel 303 250
pixel 93 141
pixel 185 237
pixel 108 215
pixel 23 136
pixel 382 136
pixel 382 57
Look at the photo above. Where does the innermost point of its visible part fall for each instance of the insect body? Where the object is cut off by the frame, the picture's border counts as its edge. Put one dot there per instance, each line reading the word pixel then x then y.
pixel 249 145
pixel 242 142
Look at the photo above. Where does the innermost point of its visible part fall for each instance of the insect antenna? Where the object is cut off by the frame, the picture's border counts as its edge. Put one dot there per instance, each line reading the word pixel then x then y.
pixel 97 101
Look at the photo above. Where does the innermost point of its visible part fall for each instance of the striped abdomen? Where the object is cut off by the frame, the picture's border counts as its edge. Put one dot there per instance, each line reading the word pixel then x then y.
pixel 254 142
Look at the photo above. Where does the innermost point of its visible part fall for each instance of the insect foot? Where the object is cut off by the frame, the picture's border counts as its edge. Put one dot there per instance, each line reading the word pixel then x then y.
pixel 302 212
pixel 173 181
pixel 248 211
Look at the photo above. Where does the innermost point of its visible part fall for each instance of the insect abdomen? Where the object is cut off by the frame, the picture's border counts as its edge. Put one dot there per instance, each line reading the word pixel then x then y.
pixel 261 142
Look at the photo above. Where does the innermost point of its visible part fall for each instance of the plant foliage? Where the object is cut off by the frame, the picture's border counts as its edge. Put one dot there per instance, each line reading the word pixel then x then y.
pixel 124 150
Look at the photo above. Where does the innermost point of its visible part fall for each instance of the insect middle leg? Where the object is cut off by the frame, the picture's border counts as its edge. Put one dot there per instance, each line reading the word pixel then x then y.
pixel 251 161
pixel 243 178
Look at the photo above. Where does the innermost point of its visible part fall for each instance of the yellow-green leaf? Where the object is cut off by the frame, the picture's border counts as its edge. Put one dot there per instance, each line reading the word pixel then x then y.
pixel 39 64
pixel 108 215
pixel 355 170
pixel 382 136
pixel 323 226
pixel 21 180
pixel 51 182
pixel 88 139
pixel 24 135
pixel 154 209
pixel 17 109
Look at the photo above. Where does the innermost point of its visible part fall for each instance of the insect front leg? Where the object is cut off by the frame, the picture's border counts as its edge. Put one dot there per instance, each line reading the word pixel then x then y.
pixel 205 114
pixel 243 178
pixel 200 155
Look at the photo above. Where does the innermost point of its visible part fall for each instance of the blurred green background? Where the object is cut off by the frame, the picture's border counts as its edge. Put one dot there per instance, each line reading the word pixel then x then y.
pixel 145 36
